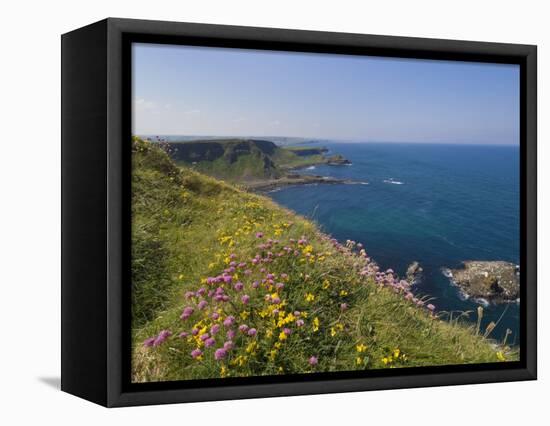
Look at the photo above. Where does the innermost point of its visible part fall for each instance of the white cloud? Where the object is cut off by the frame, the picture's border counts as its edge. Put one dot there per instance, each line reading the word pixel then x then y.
pixel 141 104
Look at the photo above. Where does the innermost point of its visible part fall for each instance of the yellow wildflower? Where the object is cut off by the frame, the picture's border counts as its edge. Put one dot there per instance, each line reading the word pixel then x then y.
pixel 250 348
pixel 282 336
pixel 310 297
pixel 316 324
pixel 361 347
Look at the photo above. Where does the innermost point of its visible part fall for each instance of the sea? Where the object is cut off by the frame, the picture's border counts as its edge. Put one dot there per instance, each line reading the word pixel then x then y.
pixel 437 204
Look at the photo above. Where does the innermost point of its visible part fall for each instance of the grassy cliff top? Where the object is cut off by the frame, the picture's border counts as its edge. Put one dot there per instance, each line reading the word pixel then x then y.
pixel 226 283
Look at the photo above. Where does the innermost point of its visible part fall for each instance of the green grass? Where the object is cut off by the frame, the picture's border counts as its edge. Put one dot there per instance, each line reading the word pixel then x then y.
pixel 286 159
pixel 187 227
pixel 247 167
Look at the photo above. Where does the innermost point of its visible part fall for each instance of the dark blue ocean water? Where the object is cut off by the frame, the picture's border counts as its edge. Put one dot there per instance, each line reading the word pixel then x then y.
pixel 453 203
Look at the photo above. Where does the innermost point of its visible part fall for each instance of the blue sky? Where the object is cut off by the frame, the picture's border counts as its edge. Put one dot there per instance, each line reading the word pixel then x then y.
pixel 235 92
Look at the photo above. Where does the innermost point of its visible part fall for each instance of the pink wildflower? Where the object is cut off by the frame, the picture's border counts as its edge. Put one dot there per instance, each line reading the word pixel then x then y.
pixel 228 322
pixel 220 354
pixel 187 312
pixel 149 342
pixel 163 335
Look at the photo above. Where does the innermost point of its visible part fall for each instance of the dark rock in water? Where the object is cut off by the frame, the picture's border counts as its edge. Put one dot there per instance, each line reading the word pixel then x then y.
pixel 414 271
pixel 337 160
pixel 494 281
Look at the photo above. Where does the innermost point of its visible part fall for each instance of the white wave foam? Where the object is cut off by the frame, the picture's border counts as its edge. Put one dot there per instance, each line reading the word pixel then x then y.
pixel 394 182
pixel 482 301
pixel 356 183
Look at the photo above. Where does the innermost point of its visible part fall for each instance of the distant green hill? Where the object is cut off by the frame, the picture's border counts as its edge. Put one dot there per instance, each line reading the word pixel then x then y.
pixel 243 160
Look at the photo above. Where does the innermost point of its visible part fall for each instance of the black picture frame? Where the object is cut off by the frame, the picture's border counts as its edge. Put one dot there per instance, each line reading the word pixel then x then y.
pixel 96 135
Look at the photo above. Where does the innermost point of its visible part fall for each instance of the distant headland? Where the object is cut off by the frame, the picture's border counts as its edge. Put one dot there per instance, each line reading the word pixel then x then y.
pixel 255 163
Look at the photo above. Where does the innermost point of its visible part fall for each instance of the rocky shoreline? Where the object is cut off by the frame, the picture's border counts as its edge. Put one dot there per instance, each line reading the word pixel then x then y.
pixel 294 179
pixel 487 281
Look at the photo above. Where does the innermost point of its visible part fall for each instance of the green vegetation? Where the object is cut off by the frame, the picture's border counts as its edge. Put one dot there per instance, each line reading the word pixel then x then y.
pixel 226 283
pixel 243 160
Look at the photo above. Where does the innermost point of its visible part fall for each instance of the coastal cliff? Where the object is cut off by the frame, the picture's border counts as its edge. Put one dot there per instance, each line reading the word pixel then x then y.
pixel 213 264
pixel 254 163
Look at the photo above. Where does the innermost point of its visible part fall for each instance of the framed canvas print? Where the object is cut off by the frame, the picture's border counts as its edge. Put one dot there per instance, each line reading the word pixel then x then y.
pixel 253 212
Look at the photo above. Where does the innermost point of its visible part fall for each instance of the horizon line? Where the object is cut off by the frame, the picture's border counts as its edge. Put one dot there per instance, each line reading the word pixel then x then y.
pixel 320 139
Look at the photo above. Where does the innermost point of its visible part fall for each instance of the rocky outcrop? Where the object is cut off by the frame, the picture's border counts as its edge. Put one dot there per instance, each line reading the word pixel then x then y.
pixel 337 160
pixel 414 272
pixel 291 180
pixel 493 281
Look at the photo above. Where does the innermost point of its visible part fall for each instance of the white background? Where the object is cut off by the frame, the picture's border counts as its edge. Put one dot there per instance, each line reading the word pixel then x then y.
pixel 30 210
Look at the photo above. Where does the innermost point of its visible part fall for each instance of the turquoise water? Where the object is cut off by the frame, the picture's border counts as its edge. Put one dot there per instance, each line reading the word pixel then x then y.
pixel 436 204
